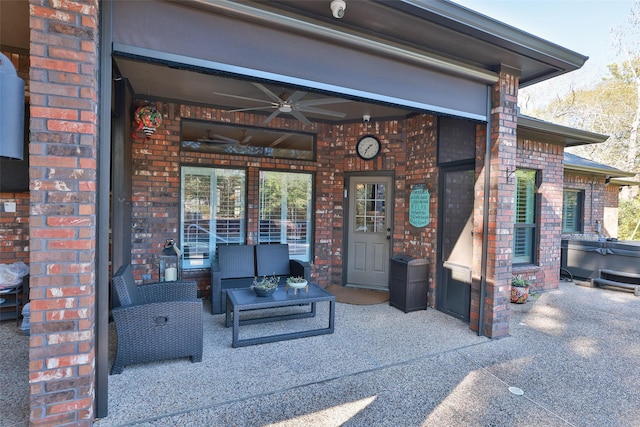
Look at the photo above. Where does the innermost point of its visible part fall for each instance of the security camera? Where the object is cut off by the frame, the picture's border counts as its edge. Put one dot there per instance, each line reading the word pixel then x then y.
pixel 337 8
pixel 366 118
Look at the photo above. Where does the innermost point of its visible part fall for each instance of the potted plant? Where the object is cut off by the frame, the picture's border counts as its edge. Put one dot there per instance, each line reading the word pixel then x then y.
pixel 519 289
pixel 265 286
pixel 296 282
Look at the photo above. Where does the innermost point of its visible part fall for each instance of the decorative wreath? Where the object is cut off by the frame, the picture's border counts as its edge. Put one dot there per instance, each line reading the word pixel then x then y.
pixel 148 119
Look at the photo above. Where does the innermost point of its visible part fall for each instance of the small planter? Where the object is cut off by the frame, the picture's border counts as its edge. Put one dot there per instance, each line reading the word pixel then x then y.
pixel 264 292
pixel 297 283
pixel 266 286
pixel 519 290
pixel 519 295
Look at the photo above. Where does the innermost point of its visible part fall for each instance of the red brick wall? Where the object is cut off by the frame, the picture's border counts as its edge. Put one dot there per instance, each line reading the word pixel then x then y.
pixel 63 152
pixel 156 184
pixel 500 228
pixel 597 196
pixel 14 229
pixel 547 159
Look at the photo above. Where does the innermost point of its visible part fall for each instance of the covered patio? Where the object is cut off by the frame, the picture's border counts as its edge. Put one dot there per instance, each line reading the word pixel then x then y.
pixel 571 351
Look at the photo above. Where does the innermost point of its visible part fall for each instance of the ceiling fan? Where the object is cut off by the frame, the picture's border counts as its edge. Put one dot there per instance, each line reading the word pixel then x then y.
pixel 288 103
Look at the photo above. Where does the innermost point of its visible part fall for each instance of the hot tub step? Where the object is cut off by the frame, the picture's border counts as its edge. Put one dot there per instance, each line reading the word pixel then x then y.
pixel 605 282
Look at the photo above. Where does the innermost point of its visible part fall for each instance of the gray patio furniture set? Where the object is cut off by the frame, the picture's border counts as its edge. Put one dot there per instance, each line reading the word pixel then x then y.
pixel 163 320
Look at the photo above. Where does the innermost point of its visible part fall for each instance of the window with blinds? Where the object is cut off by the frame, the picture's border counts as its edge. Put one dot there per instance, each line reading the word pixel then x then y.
pixel 525 226
pixel 212 213
pixel 572 202
pixel 285 211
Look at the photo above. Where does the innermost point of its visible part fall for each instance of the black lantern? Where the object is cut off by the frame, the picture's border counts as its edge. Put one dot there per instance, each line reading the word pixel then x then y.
pixel 170 266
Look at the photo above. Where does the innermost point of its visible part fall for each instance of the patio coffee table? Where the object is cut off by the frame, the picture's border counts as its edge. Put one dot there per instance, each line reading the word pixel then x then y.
pixel 244 299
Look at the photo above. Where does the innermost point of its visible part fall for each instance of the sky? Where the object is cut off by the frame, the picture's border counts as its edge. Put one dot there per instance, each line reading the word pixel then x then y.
pixel 583 26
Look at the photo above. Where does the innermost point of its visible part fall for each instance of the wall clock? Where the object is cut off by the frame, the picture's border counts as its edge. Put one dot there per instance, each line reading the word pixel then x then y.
pixel 368 147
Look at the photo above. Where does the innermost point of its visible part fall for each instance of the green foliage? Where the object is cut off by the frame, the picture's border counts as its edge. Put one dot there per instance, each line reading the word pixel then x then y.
pixel 628 219
pixel 266 283
pixel 519 281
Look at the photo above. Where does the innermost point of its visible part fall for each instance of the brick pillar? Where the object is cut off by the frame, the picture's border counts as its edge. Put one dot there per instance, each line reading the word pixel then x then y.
pixel 501 209
pixel 63 152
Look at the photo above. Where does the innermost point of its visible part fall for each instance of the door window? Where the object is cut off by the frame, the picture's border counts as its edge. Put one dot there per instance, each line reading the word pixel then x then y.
pixel 370 215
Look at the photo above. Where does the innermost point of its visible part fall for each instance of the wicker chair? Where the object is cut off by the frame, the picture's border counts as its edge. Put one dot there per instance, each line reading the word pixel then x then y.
pixel 156 321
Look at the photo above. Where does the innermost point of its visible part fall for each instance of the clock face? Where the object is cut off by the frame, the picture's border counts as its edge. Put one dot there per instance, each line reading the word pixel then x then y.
pixel 368 147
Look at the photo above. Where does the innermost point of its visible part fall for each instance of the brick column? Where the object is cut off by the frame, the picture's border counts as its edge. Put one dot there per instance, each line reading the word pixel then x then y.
pixel 63 76
pixel 501 209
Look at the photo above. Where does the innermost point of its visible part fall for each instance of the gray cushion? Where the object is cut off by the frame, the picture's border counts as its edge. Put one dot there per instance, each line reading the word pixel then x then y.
pixel 273 259
pixel 236 261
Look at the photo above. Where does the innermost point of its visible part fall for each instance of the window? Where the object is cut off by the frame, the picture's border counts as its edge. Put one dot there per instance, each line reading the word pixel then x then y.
pixel 572 203
pixel 370 208
pixel 524 233
pixel 212 212
pixel 285 211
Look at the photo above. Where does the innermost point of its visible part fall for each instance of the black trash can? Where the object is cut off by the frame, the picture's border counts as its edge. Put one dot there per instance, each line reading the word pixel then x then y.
pixel 408 283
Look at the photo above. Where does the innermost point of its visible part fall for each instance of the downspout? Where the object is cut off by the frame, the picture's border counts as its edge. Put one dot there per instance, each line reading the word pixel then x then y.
pixel 485 215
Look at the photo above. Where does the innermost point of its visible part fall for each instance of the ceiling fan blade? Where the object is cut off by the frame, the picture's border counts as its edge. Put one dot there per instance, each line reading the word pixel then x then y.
pixel 244 97
pixel 271 117
pixel 267 92
pixel 298 115
pixel 279 140
pixel 226 138
pixel 296 96
pixel 322 101
pixel 322 111
pixel 217 141
pixel 251 109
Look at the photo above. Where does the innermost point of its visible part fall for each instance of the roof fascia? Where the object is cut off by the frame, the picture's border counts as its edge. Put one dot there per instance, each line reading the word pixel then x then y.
pixel 598 171
pixel 557 134
pixel 493 31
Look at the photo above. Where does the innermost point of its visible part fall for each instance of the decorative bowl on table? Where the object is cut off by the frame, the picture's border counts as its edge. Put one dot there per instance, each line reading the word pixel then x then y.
pixel 266 286
pixel 296 282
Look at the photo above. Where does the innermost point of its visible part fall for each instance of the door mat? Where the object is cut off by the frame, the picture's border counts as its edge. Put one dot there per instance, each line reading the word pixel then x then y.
pixel 358 296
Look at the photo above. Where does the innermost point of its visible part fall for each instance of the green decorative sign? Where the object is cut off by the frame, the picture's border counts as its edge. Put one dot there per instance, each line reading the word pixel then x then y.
pixel 419 207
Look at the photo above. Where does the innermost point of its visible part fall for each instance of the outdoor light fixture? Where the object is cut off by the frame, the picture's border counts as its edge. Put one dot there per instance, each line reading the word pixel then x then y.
pixel 337 8
pixel 11 111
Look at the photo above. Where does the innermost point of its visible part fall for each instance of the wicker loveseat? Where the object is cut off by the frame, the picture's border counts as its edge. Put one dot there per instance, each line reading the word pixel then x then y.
pixel 237 266
pixel 155 321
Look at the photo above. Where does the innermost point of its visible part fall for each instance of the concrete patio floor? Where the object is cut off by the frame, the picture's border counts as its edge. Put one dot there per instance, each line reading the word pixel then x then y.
pixel 574 352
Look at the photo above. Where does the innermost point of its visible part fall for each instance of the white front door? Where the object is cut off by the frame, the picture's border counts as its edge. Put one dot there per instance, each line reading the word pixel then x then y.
pixel 369 231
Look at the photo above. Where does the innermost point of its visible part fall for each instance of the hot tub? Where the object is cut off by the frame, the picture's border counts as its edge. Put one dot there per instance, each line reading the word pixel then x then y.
pixel 585 258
